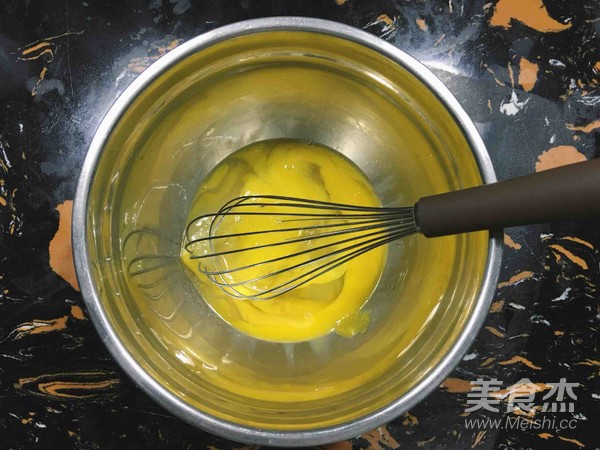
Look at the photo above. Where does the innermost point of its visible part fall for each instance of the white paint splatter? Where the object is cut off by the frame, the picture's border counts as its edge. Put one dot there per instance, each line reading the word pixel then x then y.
pixel 10 356
pixel 6 160
pixel 545 236
pixel 513 106
pixel 590 100
pixel 556 63
pixel 536 318
pixel 39 425
pixel 553 139
pixel 516 306
pixel 562 297
pixel 470 356
pixel 597 396
pixel 388 30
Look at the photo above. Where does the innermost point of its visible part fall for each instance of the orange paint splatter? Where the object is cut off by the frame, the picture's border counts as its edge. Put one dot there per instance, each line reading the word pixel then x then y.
pixel 585 128
pixel 528 72
pixel 478 438
pixel 38 326
pixel 557 257
pixel 589 362
pixel 380 436
pixel 497 306
pixel 2 201
pixel 509 242
pixel 51 385
pixel 45 48
pixel 50 325
pixel 521 276
pixel 558 156
pixel 409 420
pixel 532 13
pixel 34 48
pixel 340 2
pixel 487 362
pixel 456 385
pixel 57 388
pixel 439 41
pixel 519 359
pixel 421 24
pixel 495 331
pixel 545 435
pixel 40 79
pixel 558 333
pixel 573 441
pixel 570 255
pixel 139 64
pixel 579 241
pixel 498 82
pixel 385 19
pixel 61 253
pixel 511 75
pixel 77 312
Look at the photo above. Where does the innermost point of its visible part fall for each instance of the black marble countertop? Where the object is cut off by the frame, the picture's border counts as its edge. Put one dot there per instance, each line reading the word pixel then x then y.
pixel 528 73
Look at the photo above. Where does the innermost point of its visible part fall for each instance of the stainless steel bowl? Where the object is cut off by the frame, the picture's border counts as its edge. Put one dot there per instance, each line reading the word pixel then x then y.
pixel 279 78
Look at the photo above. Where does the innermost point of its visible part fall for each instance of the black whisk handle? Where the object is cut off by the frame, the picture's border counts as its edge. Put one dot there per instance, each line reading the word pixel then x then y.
pixel 566 192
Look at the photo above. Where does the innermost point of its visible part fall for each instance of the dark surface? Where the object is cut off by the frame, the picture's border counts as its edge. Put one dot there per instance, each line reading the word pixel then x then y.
pixel 62 64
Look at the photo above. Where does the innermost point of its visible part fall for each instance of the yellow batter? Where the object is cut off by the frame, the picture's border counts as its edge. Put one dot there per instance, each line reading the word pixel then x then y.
pixel 329 303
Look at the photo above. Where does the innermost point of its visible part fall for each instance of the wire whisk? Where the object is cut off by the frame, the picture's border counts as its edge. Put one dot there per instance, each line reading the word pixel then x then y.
pixel 292 241
pixel 262 246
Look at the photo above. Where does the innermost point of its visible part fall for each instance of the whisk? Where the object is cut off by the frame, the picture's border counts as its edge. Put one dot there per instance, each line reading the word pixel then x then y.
pixel 261 246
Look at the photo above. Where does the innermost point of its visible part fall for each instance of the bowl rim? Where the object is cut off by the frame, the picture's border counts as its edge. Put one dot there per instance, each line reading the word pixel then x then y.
pixel 151 386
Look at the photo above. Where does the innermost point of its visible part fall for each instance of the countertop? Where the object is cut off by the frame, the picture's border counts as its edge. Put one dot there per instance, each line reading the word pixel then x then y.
pixel 526 71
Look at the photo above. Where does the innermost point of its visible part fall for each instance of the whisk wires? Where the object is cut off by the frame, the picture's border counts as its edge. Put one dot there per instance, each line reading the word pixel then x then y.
pixel 260 247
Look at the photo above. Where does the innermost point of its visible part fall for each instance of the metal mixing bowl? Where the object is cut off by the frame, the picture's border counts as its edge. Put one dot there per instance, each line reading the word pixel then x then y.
pixel 279 78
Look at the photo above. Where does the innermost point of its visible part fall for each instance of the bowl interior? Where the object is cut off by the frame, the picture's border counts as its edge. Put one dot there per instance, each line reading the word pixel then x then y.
pixel 267 85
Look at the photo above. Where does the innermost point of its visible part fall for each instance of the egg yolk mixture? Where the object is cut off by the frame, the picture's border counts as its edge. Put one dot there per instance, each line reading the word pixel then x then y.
pixel 330 302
